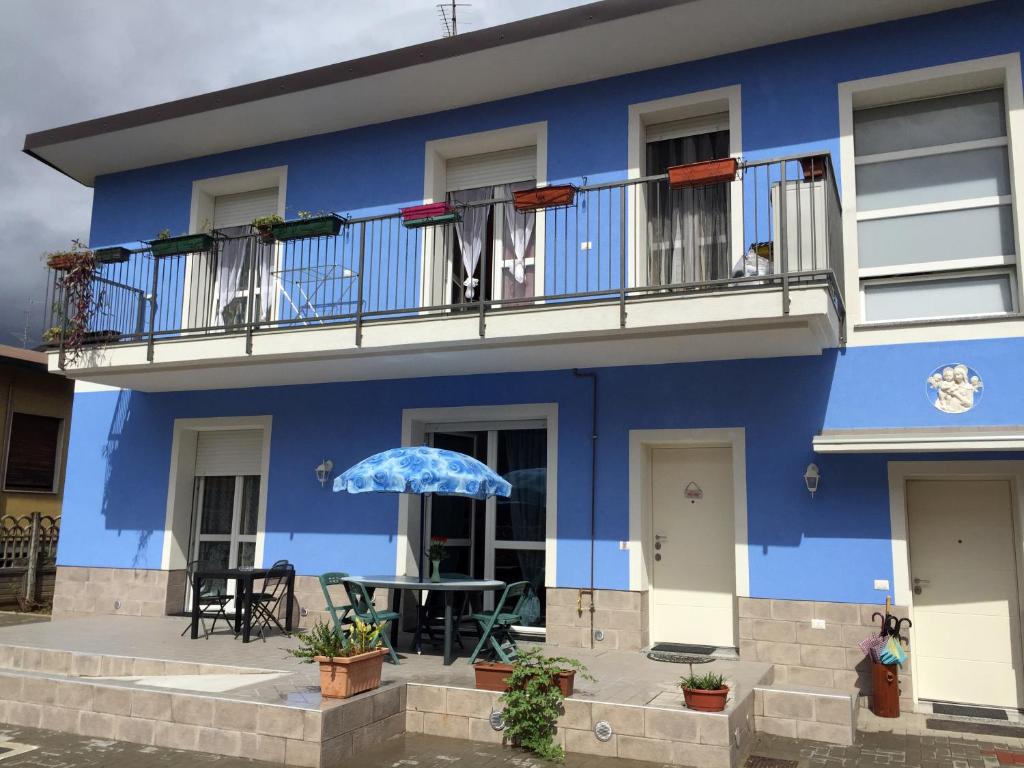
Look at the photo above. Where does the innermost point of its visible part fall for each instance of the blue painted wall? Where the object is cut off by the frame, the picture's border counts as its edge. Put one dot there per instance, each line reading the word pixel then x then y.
pixel 120 454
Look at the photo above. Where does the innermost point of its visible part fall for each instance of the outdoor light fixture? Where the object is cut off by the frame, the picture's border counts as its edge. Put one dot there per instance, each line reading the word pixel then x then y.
pixel 323 472
pixel 812 478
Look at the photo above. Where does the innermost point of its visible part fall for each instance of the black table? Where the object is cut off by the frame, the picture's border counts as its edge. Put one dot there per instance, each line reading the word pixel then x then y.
pixel 447 587
pixel 244 579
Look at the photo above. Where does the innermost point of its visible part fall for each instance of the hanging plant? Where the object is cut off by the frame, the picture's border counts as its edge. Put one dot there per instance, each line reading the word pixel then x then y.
pixel 76 304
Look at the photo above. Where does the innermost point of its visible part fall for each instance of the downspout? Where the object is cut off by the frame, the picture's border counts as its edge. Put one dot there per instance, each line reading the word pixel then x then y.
pixel 593 494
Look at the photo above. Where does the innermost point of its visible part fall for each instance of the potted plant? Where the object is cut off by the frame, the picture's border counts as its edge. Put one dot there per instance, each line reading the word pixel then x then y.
pixel 704 693
pixel 75 302
pixel 75 258
pixel 533 701
pixel 544 197
pixel 348 664
pixel 702 173
pixel 308 224
pixel 167 245
pixel 436 553
pixel 264 225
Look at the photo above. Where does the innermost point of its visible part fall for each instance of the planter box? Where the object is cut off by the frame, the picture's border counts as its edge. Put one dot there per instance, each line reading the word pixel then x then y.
pixel 431 221
pixel 706 701
pixel 814 167
pixel 342 677
pixel 317 226
pixel 65 262
pixel 266 234
pixel 90 339
pixel 544 197
pixel 113 255
pixel 429 215
pixel 702 173
pixel 182 244
pixel 494 677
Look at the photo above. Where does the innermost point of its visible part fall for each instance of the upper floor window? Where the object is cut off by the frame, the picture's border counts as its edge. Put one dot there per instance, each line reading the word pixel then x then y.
pixel 934 208
pixel 33 450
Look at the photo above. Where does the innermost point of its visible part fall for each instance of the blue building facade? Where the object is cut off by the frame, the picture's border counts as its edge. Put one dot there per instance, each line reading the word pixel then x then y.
pixel 623 468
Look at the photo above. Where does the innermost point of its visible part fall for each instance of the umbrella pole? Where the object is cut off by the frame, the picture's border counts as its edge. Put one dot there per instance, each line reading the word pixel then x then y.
pixel 419 595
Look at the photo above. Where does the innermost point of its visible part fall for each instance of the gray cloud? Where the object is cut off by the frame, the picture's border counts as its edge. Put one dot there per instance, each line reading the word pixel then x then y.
pixel 62 61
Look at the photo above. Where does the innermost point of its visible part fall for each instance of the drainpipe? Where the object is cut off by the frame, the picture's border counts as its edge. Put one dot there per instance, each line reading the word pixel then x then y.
pixel 593 494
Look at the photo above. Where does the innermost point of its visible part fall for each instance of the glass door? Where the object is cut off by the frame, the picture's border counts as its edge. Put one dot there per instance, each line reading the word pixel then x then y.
pixel 500 538
pixel 226 519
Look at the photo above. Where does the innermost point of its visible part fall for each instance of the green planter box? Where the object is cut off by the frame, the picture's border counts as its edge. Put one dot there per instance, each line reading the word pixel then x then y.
pixel 113 255
pixel 431 221
pixel 175 246
pixel 318 226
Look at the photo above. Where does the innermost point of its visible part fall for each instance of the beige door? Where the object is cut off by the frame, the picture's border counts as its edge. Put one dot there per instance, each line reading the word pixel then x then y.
pixel 967 642
pixel 693 589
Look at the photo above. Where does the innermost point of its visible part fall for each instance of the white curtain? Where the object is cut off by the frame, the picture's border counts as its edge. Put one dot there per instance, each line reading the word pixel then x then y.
pixel 520 228
pixel 237 253
pixel 471 230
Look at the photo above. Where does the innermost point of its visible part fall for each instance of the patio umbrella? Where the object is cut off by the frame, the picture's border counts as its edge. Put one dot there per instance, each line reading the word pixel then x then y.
pixel 422 470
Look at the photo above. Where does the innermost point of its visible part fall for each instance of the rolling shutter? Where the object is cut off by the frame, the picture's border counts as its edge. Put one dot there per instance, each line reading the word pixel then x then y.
pixel 691 126
pixel 239 209
pixel 229 452
pixel 503 167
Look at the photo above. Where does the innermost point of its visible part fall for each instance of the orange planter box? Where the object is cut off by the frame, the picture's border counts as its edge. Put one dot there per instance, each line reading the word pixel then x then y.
pixel 494 677
pixel 706 701
pixel 345 676
pixel 544 197
pixel 702 173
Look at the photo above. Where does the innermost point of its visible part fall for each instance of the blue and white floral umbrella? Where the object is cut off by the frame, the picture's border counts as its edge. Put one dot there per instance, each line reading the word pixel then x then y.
pixel 420 470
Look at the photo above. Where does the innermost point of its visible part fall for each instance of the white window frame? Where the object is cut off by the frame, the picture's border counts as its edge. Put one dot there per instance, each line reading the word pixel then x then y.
pixel 971 270
pixel 687 106
pixel 980 74
pixel 200 219
pixel 436 156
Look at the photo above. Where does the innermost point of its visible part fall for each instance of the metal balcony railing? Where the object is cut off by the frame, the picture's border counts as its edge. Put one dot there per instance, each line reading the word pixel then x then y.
pixel 777 226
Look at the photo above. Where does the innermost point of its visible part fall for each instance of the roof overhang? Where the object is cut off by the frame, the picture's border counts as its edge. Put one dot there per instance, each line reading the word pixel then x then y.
pixel 930 440
pixel 580 44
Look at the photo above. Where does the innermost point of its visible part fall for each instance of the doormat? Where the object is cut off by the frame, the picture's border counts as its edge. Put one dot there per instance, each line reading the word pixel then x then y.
pixel 693 650
pixel 13 749
pixel 982 729
pixel 962 710
pixel 760 761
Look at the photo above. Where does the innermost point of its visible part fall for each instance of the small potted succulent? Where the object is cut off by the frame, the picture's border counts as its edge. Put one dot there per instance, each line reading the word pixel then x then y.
pixel 704 693
pixel 350 662
pixel 264 225
pixel 436 552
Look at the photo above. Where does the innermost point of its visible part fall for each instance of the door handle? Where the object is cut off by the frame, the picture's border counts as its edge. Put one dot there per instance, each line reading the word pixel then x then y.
pixel 659 537
pixel 919 585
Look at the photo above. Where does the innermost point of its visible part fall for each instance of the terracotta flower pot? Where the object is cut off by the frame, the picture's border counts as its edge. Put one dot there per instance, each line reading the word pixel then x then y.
pixel 494 677
pixel 266 234
pixel 65 262
pixel 706 701
pixel 345 676
pixel 702 173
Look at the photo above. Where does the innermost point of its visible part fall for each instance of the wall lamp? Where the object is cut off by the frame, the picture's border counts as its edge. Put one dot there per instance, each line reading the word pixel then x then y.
pixel 323 471
pixel 812 478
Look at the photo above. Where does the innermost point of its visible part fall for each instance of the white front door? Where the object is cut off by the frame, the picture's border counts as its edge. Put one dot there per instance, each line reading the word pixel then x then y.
pixel 963 553
pixel 227 514
pixel 693 587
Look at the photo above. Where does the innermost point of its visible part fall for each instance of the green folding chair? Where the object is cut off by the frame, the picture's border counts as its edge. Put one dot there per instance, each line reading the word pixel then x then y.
pixel 363 609
pixel 496 626
pixel 339 613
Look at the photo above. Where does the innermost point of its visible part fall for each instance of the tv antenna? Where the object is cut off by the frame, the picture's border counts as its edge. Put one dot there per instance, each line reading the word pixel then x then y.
pixel 449 16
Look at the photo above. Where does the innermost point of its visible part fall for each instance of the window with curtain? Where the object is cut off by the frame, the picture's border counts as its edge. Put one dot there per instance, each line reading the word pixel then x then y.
pixel 934 208
pixel 687 229
pixel 33 449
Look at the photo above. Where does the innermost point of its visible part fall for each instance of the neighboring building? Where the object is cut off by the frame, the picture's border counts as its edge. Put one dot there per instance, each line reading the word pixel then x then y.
pixel 851 301
pixel 35 413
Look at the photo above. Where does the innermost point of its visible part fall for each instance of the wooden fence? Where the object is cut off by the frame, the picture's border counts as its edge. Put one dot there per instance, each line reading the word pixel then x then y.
pixel 28 553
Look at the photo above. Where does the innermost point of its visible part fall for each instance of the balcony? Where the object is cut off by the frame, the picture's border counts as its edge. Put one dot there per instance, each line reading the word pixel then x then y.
pixel 631 272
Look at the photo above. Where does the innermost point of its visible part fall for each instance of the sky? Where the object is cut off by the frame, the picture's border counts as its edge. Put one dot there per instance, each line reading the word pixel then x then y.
pixel 63 61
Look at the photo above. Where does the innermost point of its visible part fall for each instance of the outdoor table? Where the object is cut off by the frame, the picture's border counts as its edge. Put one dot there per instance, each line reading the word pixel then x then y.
pixel 447 587
pixel 244 579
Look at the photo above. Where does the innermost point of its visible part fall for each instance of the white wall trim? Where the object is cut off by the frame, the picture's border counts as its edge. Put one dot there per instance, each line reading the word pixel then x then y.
pixel 689 105
pixel 180 480
pixel 436 154
pixel 995 71
pixel 205 190
pixel 414 422
pixel 641 441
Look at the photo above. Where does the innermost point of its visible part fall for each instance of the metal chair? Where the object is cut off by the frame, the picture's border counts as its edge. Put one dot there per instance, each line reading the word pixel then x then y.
pixel 496 626
pixel 339 613
pixel 362 608
pixel 266 602
pixel 209 598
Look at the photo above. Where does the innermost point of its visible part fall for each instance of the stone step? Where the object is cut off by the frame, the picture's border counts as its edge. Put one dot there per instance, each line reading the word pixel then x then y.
pixel 818 714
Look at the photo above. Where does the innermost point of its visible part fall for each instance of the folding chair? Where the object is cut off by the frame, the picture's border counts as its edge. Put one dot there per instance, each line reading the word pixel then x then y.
pixel 339 613
pixel 495 627
pixel 361 606
pixel 209 598
pixel 266 602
